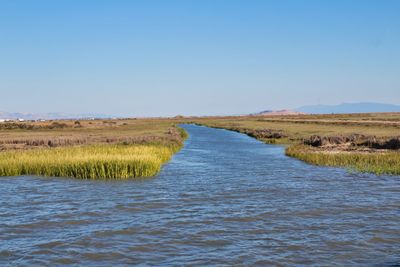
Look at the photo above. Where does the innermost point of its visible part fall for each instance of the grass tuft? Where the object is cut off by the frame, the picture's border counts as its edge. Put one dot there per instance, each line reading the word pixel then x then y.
pixel 89 162
pixel 378 163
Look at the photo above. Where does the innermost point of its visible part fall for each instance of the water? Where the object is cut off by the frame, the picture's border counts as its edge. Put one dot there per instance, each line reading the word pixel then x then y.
pixel 225 199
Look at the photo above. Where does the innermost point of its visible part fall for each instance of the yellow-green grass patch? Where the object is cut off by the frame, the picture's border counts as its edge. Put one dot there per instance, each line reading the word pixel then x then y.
pixel 387 162
pixel 88 162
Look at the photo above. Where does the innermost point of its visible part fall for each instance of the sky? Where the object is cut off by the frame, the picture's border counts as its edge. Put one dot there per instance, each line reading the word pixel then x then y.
pixel 196 57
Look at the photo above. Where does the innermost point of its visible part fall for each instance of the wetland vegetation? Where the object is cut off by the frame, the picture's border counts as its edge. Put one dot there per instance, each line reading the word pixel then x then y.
pixel 387 162
pixel 112 149
pixel 123 148
pixel 116 161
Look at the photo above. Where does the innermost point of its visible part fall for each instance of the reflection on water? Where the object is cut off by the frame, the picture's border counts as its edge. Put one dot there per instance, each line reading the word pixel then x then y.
pixel 224 199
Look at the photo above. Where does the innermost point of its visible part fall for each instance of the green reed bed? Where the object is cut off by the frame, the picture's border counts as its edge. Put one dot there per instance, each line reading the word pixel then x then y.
pixel 378 163
pixel 89 162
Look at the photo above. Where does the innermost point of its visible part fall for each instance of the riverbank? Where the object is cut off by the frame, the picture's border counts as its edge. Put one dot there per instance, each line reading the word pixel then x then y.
pixel 88 162
pixel 378 162
pixel 363 142
pixel 99 149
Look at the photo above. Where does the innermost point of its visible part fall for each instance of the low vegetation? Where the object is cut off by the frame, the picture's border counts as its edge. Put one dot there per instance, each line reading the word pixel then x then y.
pixel 118 149
pixel 386 162
pixel 88 162
pixel 34 135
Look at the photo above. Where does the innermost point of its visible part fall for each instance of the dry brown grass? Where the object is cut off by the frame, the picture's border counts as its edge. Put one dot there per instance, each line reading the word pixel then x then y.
pixel 300 127
pixel 31 135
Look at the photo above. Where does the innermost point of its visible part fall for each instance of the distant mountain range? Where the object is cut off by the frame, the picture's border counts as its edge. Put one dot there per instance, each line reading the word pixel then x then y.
pixel 363 107
pixel 277 113
pixel 50 116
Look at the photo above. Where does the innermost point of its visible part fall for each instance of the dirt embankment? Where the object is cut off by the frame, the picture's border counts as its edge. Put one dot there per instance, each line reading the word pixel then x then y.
pixel 264 133
pixel 353 142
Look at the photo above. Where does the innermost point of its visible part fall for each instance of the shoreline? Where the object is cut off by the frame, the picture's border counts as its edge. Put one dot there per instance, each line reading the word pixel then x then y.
pixel 113 157
pixel 361 159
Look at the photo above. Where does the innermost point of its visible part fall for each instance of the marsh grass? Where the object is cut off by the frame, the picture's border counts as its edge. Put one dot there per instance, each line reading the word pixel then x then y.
pixel 378 163
pixel 115 149
pixel 300 127
pixel 37 135
pixel 89 162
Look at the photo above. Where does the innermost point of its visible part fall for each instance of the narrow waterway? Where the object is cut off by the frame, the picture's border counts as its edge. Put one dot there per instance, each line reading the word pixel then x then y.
pixel 224 199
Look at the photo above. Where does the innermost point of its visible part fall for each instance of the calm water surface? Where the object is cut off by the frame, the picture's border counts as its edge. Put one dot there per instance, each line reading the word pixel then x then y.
pixel 225 199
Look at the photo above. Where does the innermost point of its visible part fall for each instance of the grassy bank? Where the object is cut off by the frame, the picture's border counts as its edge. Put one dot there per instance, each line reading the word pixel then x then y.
pixel 378 163
pixel 347 140
pixel 88 162
pixel 100 149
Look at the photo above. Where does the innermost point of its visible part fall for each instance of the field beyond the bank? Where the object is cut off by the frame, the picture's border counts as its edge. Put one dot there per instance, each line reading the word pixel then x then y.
pixel 356 141
pixel 88 149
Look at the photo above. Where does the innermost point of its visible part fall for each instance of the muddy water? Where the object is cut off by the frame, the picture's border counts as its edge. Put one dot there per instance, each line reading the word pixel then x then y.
pixel 225 199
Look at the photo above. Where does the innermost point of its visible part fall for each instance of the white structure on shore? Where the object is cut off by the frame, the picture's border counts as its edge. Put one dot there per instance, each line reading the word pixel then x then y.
pixel 11 120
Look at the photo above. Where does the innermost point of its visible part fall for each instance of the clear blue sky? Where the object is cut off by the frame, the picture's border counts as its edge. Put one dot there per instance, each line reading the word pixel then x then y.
pixel 150 58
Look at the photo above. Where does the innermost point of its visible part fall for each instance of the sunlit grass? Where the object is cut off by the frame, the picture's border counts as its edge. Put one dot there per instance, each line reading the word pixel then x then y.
pixel 378 163
pixel 88 162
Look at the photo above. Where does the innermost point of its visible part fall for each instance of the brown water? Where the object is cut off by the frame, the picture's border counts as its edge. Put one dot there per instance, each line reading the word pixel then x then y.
pixel 225 199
